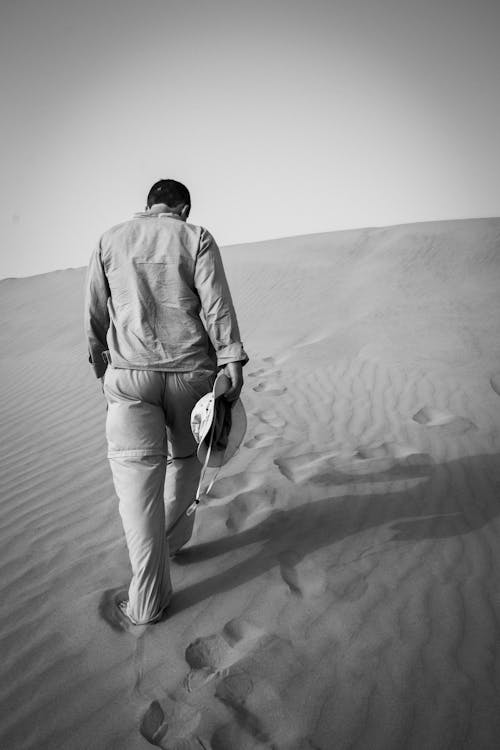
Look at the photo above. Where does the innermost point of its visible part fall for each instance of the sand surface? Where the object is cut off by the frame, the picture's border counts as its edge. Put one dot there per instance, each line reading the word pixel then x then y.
pixel 342 590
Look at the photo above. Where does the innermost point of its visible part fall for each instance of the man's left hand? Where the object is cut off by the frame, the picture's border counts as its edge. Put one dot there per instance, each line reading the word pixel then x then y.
pixel 234 371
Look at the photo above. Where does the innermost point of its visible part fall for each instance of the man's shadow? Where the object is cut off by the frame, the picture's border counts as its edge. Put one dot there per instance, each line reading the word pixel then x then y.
pixel 451 499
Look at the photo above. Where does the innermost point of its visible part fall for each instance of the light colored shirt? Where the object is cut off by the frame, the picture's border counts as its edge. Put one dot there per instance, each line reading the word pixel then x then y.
pixel 157 298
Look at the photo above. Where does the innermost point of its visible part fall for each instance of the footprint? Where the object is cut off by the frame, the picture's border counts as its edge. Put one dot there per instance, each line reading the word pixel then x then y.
pixel 445 421
pixel 381 450
pixel 235 688
pixel 378 457
pixel 305 467
pixel 153 726
pixel 233 735
pixel 236 736
pixel 108 610
pixel 248 508
pixel 271 418
pixel 368 463
pixel 260 711
pixel 252 669
pixel 219 651
pixel 256 373
pixel 303 576
pixel 172 725
pixel 253 688
pixel 495 383
pixel 239 630
pixel 351 590
pixel 227 487
pixel 270 389
pixel 264 373
pixel 211 653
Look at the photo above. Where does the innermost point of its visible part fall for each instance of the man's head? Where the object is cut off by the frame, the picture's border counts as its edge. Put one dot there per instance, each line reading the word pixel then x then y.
pixel 172 194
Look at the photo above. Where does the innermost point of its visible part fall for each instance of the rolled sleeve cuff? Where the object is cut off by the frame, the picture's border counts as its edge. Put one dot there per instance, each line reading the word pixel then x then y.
pixel 231 353
pixel 99 365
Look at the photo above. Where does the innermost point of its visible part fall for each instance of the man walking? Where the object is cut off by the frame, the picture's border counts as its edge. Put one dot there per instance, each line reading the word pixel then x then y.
pixel 159 321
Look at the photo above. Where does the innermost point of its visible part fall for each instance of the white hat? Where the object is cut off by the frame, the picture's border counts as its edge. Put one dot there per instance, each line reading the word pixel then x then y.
pixel 218 425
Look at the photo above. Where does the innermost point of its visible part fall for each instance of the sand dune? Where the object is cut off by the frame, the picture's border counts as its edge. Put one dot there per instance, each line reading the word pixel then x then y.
pixel 342 589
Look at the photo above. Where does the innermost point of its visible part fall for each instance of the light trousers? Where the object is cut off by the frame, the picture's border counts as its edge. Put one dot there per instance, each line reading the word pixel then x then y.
pixel 152 454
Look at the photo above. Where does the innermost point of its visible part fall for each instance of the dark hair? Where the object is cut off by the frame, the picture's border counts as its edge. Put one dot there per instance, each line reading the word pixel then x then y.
pixel 170 192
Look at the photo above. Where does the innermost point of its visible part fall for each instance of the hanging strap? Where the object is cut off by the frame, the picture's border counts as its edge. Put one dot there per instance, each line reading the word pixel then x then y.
pixel 191 508
pixel 195 502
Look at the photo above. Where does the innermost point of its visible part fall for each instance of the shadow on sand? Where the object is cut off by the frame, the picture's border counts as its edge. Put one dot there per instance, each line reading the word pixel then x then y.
pixel 451 499
pixel 454 498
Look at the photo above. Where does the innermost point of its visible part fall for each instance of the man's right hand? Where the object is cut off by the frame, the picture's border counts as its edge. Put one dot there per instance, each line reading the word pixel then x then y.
pixel 234 371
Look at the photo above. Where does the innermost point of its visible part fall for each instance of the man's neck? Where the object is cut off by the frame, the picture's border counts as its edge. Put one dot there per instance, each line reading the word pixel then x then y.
pixel 162 208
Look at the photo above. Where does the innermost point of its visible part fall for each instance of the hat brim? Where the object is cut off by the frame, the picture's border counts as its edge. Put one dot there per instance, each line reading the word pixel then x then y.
pixel 236 434
pixel 202 418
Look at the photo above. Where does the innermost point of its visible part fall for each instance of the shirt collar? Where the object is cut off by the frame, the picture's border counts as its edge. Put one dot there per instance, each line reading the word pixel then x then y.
pixel 157 215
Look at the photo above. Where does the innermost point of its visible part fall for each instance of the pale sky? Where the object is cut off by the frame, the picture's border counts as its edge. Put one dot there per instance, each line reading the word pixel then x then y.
pixel 282 117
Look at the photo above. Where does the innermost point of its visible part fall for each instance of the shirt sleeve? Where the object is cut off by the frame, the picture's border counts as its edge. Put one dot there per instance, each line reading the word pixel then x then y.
pixel 216 303
pixel 96 312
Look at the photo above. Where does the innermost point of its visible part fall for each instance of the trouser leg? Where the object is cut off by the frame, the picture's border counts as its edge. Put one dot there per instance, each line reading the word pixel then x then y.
pixel 137 452
pixel 181 484
pixel 139 483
